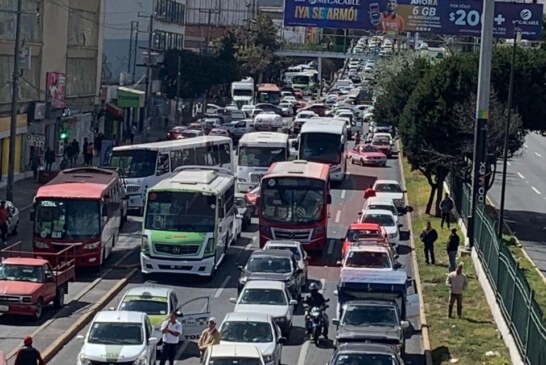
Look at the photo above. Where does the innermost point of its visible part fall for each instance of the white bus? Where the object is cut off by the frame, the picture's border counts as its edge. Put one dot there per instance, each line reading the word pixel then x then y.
pixel 257 151
pixel 324 140
pixel 144 165
pixel 190 221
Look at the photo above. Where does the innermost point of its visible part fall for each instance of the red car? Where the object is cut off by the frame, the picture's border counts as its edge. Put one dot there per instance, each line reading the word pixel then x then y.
pixel 251 198
pixel 367 155
pixel 359 233
pixel 298 94
pixel 175 132
pixel 320 109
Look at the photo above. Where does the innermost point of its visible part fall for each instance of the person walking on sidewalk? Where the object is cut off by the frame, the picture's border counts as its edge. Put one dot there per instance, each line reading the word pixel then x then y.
pixel 28 355
pixel 35 164
pixel 4 217
pixel 357 138
pixel 209 336
pixel 88 157
pixel 49 158
pixel 132 133
pixel 75 152
pixel 457 283
pixel 446 206
pixel 452 248
pixel 428 237
pixel 172 330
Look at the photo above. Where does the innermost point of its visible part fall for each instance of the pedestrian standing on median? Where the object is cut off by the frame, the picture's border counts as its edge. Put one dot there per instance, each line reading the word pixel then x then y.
pixel 452 248
pixel 457 283
pixel 357 138
pixel 428 237
pixel 172 330
pixel 28 355
pixel 446 206
pixel 210 336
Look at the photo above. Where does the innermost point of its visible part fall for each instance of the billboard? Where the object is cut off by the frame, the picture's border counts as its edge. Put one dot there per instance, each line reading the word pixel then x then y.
pixel 55 82
pixel 455 17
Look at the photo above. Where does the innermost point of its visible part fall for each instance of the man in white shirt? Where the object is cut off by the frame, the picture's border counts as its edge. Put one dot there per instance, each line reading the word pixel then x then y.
pixel 172 330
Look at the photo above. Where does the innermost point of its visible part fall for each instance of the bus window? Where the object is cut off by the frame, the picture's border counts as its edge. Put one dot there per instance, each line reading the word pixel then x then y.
pixel 225 154
pixel 203 157
pixel 163 164
pixel 188 156
pixel 177 159
pixel 214 152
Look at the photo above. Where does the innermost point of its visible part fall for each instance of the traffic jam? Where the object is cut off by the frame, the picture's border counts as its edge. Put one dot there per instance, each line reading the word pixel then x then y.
pixel 269 231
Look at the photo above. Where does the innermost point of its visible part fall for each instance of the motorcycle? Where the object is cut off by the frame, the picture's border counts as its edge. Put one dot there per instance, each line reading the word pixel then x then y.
pixel 315 321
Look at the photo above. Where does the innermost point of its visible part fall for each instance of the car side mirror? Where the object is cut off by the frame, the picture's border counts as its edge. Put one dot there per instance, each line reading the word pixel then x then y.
pixel 79 338
pixel 404 191
pixel 240 268
pixel 335 321
pixel 179 313
pixel 282 340
pixel 329 199
pixel 293 302
pixel 338 263
pixel 404 324
pixel 400 225
pixel 233 300
pixel 153 340
pixel 397 265
pixel 50 278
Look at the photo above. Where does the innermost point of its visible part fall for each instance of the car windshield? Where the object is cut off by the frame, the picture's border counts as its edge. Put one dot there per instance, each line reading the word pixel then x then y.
pixel 293 201
pixel 321 147
pixel 177 211
pixel 261 156
pixel 371 260
pixel 269 264
pixel 34 274
pixel 369 315
pixel 365 359
pixel 149 306
pixel 381 219
pixel 254 332
pixel 134 163
pixel 381 142
pixel 263 297
pixel 388 207
pixel 292 249
pixel 368 148
pixel 233 361
pixel 105 333
pixel 387 188
pixel 69 219
pixel 354 235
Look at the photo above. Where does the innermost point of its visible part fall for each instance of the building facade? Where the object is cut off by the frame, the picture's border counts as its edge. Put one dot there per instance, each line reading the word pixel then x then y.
pixel 60 76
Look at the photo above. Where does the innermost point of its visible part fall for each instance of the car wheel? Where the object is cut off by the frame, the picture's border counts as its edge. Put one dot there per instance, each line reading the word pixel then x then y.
pixel 361 162
pixel 352 161
pixel 59 298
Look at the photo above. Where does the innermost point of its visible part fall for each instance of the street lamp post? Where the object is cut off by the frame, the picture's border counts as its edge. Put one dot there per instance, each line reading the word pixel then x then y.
pixel 517 35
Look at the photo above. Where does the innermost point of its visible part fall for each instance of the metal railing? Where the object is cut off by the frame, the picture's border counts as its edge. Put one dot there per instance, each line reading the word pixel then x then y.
pixel 513 293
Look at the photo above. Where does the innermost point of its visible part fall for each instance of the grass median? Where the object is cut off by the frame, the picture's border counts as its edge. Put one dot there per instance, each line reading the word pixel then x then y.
pixel 472 339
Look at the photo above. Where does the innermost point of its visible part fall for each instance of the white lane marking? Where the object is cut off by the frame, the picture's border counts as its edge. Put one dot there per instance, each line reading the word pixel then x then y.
pixel 520 175
pixel 538 154
pixel 343 193
pixel 536 190
pixel 330 247
pixel 338 216
pixel 221 288
pixel 508 163
pixel 303 353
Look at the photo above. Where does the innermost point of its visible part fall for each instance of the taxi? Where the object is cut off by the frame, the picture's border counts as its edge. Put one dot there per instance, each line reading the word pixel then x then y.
pixel 362 233
pixel 156 302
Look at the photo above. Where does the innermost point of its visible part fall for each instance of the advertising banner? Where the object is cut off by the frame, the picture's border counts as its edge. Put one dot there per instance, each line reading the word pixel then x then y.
pixel 55 82
pixel 455 17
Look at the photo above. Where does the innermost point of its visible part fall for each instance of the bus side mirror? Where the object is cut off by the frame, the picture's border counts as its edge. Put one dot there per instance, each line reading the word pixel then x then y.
pixel 32 215
pixel 329 199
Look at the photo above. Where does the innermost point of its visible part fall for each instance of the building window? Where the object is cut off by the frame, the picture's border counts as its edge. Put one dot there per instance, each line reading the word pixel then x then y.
pixel 81 76
pixel 167 40
pixel 30 27
pixel 27 89
pixel 82 28
pixel 170 11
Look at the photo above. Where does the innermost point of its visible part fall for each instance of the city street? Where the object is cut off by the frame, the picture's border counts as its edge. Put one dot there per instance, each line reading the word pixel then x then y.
pixel 525 204
pixel 347 201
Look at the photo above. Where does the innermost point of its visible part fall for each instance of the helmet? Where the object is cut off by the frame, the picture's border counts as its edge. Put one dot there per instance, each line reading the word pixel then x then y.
pixel 313 286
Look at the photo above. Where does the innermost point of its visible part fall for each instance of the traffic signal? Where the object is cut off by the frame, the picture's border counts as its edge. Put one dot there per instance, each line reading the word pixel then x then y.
pixel 63 135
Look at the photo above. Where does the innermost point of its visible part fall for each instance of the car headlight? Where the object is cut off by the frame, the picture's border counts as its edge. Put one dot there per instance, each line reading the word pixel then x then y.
pixel 91 246
pixel 393 235
pixel 142 360
pixel 144 244
pixel 84 360
pixel 210 245
pixel 26 299
pixel 268 358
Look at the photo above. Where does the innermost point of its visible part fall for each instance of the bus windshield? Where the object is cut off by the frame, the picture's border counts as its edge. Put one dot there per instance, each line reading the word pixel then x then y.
pixel 300 79
pixel 273 97
pixel 293 201
pixel 180 211
pixel 73 219
pixel 134 163
pixel 243 92
pixel 321 147
pixel 260 156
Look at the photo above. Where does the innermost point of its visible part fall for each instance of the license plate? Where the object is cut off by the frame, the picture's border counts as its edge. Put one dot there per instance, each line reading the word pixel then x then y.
pixel 4 308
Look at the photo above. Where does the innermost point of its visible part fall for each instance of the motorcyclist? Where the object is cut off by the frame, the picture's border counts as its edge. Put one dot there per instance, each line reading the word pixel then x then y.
pixel 316 299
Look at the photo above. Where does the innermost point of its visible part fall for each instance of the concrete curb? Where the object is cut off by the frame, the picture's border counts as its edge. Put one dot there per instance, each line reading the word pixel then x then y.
pixel 502 326
pixel 72 331
pixel 422 316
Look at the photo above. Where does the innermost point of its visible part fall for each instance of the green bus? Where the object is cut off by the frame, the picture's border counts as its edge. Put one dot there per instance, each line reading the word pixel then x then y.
pixel 190 220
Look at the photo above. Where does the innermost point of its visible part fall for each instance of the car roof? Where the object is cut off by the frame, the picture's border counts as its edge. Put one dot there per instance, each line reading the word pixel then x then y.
pixel 234 350
pixel 368 226
pixel 283 243
pixel 386 182
pixel 247 316
pixel 151 291
pixel 120 317
pixel 369 248
pixel 24 261
pixel 379 200
pixel 377 211
pixel 363 347
pixel 273 253
pixel 265 284
pixel 369 302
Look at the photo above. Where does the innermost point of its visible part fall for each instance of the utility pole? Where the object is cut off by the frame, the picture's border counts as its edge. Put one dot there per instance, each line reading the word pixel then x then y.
pixel 135 53
pixel 209 21
pixel 14 92
pixel 148 95
pixel 482 116
pixel 130 48
pixel 178 70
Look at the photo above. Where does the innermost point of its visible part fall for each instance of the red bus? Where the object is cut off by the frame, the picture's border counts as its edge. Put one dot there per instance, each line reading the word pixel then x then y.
pixel 268 93
pixel 81 206
pixel 293 204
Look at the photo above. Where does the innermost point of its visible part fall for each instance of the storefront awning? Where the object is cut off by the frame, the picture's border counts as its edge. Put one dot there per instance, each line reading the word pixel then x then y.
pixel 130 98
pixel 114 111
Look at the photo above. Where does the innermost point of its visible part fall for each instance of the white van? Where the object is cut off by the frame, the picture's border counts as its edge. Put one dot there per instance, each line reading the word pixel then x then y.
pixel 268 122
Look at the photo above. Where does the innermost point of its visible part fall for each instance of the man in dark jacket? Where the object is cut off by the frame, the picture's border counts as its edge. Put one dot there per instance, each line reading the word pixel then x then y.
pixel 452 248
pixel 428 237
pixel 446 206
pixel 28 355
